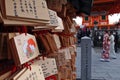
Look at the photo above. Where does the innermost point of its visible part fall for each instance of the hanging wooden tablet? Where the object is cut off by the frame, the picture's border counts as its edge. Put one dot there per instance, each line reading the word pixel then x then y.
pixel 63 12
pixel 48 66
pixel 45 43
pixel 19 20
pixel 57 41
pixel 35 73
pixel 61 59
pixel 24 48
pixel 41 46
pixel 60 26
pixel 27 9
pixel 53 18
pixel 51 42
pixel 66 52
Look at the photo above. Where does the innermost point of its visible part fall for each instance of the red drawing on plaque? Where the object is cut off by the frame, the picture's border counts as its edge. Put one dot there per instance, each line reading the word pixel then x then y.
pixel 29 47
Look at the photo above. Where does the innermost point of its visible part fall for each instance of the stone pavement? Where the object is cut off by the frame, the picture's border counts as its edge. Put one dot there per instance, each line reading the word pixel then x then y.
pixel 100 70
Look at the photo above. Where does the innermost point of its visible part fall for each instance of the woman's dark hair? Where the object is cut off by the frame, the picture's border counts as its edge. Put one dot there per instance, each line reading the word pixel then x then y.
pixel 111 32
pixel 106 31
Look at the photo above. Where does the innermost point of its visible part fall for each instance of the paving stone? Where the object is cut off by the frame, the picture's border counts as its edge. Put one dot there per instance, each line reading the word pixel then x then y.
pixel 100 70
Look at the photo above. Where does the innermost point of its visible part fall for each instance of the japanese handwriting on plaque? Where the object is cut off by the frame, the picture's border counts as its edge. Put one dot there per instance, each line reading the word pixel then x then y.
pixel 53 17
pixel 21 6
pixel 32 74
pixel 15 8
pixel 35 9
pixel 48 66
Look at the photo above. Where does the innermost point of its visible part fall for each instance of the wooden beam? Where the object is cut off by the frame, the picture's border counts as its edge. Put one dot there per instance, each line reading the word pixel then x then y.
pixel 102 1
pixel 102 7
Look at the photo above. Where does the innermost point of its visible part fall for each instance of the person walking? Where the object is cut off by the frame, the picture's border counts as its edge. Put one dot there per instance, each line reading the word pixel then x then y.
pixel 116 42
pixel 79 35
pixel 106 47
pixel 112 44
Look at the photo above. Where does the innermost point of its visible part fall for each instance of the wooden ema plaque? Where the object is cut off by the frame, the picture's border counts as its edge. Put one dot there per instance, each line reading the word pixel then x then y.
pixel 24 48
pixel 8 17
pixel 48 66
pixel 53 18
pixel 27 10
pixel 35 73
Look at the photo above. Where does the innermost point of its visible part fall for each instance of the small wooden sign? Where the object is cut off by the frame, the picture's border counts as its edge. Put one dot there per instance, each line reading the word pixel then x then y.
pixel 48 66
pixel 24 48
pixel 27 9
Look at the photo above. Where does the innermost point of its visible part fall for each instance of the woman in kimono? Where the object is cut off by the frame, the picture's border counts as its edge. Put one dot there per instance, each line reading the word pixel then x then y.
pixel 106 47
pixel 112 44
